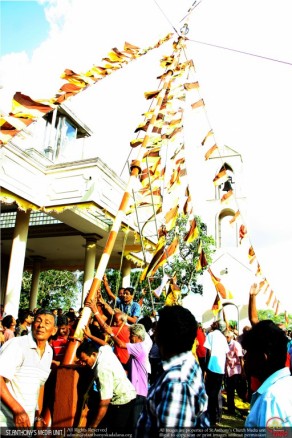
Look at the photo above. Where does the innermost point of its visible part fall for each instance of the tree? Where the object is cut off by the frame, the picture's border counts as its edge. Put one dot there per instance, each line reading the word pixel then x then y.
pixel 277 319
pixel 182 265
pixel 56 289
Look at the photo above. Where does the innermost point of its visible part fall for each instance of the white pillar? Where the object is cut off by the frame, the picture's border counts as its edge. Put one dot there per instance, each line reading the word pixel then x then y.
pixel 37 261
pixel 16 264
pixel 89 263
pixel 126 273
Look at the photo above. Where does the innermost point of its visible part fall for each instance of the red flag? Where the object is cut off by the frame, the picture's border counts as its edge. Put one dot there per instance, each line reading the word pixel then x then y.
pixel 242 232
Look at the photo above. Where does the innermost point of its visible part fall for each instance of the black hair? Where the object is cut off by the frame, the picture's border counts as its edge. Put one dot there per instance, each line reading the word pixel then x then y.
pixel 87 347
pixel 45 312
pixel 23 314
pixel 130 289
pixel 176 329
pixel 147 322
pixel 267 338
pixel 62 320
pixel 7 321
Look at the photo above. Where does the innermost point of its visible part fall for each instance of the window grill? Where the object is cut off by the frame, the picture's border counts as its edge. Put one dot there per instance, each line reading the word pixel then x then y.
pixel 7 219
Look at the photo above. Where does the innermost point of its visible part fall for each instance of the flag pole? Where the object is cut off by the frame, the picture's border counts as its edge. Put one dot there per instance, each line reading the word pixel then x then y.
pixel 134 172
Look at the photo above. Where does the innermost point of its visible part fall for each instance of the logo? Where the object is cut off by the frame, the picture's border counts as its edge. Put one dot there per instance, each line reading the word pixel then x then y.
pixel 275 427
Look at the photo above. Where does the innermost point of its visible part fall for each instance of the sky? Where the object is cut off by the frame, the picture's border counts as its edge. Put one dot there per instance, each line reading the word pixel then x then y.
pixel 243 59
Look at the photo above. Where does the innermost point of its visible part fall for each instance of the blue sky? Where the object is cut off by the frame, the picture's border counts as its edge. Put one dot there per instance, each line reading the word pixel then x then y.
pixel 243 59
pixel 23 26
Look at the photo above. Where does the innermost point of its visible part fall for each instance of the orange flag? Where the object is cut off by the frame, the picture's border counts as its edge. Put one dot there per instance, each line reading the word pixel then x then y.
pixel 218 285
pixel 226 197
pixel 168 252
pixel 206 136
pixel 24 106
pixel 277 308
pixel 155 259
pixel 235 217
pixel 171 218
pixel 193 232
pixel 270 298
pixel 210 151
pixel 217 305
pixel 191 85
pixel 220 178
pixel 202 261
pixel 198 104
pixel 174 293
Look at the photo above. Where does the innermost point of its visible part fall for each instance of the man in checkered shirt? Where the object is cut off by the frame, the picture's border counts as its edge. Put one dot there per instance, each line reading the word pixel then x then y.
pixel 177 399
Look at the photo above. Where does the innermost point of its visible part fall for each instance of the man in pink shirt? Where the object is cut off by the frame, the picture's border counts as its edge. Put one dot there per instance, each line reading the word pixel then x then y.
pixel 234 370
pixel 139 365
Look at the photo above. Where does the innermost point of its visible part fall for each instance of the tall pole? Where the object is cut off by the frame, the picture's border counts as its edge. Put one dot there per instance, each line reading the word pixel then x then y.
pixel 17 258
pixel 134 172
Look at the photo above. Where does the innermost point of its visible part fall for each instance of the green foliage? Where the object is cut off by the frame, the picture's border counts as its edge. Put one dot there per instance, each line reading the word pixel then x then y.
pixel 232 324
pixel 270 314
pixel 183 265
pixel 56 289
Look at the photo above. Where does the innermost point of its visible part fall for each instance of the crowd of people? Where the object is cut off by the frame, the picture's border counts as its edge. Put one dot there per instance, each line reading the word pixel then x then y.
pixel 149 373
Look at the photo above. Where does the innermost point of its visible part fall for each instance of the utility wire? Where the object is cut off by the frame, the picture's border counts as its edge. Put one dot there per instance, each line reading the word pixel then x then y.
pixel 166 17
pixel 241 51
pixel 194 5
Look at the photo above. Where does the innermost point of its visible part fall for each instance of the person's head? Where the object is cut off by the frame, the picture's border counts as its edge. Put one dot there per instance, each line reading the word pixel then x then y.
pixel 71 315
pixel 119 318
pixel 44 325
pixel 9 322
pixel 137 333
pixel 26 316
pixel 229 335
pixel 266 349
pixel 246 328
pixel 147 322
pixel 121 292
pixel 55 311
pixel 87 353
pixel 219 325
pixel 63 325
pixel 128 294
pixel 176 331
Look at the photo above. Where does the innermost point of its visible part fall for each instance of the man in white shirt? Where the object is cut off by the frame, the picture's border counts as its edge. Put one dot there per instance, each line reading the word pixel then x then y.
pixel 217 348
pixel 25 364
pixel 117 394
pixel 265 358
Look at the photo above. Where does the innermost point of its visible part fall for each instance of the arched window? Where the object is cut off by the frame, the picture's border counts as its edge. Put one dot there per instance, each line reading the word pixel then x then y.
pixel 227 185
pixel 227 233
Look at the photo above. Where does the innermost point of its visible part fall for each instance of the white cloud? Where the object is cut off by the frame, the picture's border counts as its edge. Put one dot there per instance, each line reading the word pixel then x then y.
pixel 248 98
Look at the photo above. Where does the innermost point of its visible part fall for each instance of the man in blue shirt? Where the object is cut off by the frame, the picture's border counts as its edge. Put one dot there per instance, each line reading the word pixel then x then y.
pixel 128 306
pixel 266 354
